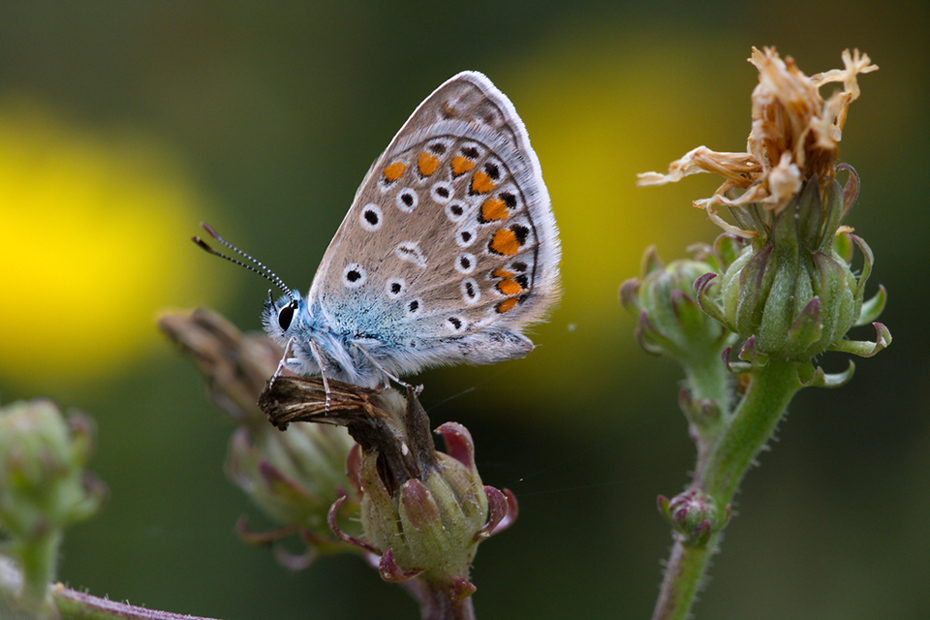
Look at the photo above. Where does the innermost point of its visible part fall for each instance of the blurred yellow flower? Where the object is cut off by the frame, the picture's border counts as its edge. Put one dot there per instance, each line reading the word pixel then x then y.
pixel 91 234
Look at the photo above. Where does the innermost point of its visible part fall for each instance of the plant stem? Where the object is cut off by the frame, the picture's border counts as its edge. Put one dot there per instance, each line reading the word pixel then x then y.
pixel 38 557
pixel 683 574
pixel 71 604
pixel 719 470
pixel 708 378
pixel 436 604
pixel 751 426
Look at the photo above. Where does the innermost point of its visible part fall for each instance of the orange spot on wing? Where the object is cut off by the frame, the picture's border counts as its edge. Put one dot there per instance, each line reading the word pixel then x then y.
pixel 505 242
pixel 500 272
pixel 493 209
pixel 394 171
pixel 461 165
pixel 481 183
pixel 509 287
pixel 506 305
pixel 427 163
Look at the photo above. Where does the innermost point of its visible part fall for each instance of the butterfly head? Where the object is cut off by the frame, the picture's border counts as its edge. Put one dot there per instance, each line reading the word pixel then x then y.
pixel 279 317
pixel 282 317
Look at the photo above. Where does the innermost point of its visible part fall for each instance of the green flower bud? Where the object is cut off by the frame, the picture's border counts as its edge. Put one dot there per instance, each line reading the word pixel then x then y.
pixel 43 488
pixel 423 512
pixel 293 477
pixel 791 292
pixel 431 524
pixel 694 516
pixel 43 485
pixel 670 320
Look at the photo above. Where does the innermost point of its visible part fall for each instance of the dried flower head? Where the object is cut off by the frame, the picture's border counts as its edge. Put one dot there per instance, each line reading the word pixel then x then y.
pixel 795 137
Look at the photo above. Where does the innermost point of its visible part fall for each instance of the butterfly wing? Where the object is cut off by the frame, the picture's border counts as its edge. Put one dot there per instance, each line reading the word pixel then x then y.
pixel 450 247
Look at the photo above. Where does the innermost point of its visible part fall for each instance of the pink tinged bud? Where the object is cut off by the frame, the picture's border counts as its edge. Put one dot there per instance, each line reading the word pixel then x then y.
pixel 694 516
pixel 459 444
pixel 333 521
pixel 258 468
pixel 418 510
pixel 502 511
pixel 391 572
pixel 671 319
pixel 422 512
pixel 461 589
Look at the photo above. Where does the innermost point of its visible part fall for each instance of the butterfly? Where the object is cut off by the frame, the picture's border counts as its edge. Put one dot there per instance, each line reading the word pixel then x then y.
pixel 449 250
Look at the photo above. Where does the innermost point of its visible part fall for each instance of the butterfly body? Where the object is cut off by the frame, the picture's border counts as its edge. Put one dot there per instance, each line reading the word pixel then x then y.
pixel 448 251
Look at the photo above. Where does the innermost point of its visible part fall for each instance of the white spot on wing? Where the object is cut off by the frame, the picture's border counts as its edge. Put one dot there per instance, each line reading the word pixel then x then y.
pixel 465 262
pixel 470 291
pixel 442 192
pixel 406 200
pixel 410 251
pixel 464 237
pixel 371 217
pixel 456 211
pixel 395 287
pixel 413 307
pixel 353 276
pixel 456 324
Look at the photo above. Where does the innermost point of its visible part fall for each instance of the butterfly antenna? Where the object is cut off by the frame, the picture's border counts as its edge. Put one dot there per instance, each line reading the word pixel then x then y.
pixel 263 271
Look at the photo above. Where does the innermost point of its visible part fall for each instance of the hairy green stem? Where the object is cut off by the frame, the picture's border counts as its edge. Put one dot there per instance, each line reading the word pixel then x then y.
pixel 719 470
pixel 751 426
pixel 683 574
pixel 709 379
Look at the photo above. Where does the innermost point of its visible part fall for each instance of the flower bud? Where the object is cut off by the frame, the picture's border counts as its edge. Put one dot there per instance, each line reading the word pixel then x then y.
pixel 423 512
pixel 293 477
pixel 694 516
pixel 670 320
pixel 792 292
pixel 434 527
pixel 43 487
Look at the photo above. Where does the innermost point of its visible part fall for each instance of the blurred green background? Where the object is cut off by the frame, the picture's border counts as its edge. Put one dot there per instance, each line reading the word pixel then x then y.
pixel 123 125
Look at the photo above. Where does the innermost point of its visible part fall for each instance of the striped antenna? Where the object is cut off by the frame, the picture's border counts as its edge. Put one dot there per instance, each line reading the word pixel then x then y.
pixel 263 271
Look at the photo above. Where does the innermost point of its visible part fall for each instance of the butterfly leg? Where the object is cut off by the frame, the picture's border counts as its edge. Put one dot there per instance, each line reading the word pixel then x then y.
pixel 282 363
pixel 319 362
pixel 390 377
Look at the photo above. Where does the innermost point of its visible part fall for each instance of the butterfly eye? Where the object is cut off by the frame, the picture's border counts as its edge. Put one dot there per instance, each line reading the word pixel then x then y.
pixel 286 315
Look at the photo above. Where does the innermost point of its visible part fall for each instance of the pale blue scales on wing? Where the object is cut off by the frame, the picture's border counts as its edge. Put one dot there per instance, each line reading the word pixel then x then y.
pixel 448 252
